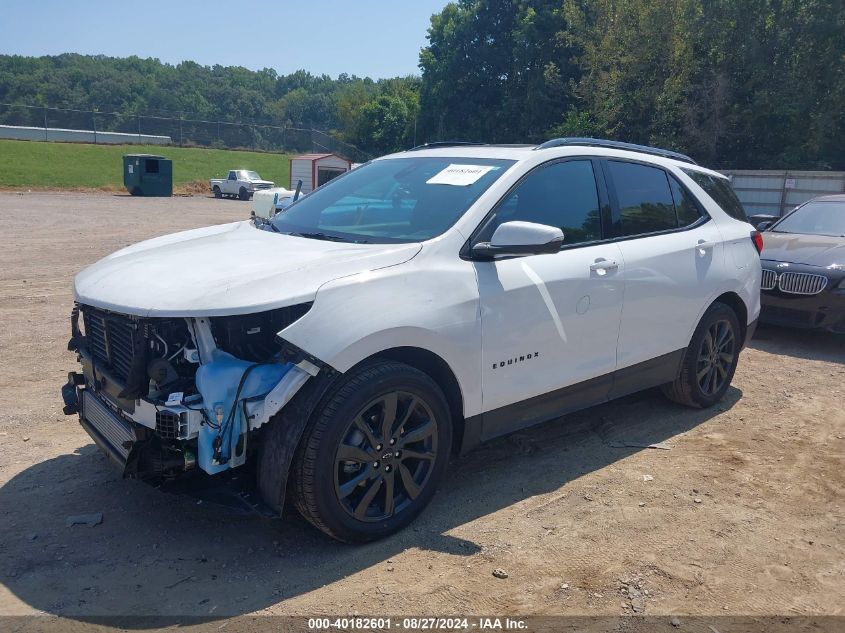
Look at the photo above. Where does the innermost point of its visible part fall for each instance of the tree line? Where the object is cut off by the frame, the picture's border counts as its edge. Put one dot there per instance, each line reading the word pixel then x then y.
pixel 734 83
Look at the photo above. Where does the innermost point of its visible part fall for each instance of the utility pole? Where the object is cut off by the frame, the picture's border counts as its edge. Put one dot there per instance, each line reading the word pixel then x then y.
pixel 94 124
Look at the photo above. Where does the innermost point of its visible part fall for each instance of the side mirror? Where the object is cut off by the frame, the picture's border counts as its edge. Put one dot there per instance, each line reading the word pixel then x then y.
pixel 521 238
pixel 762 226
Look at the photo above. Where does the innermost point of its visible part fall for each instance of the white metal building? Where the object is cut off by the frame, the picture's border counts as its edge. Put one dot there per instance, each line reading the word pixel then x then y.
pixel 316 169
pixel 778 192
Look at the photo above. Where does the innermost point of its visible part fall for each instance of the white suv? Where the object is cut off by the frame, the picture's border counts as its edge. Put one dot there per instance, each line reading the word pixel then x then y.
pixel 416 306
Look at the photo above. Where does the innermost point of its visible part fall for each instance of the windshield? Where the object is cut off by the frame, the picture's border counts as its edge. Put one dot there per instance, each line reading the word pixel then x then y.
pixel 250 175
pixel 397 200
pixel 815 218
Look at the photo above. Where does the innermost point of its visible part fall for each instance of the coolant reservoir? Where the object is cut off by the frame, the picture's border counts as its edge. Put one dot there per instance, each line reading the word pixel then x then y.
pixel 218 383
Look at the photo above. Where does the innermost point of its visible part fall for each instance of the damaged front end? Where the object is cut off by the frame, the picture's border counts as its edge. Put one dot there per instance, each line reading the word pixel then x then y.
pixel 167 396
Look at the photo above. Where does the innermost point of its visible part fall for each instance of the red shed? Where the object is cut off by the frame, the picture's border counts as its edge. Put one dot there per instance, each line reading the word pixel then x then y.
pixel 316 169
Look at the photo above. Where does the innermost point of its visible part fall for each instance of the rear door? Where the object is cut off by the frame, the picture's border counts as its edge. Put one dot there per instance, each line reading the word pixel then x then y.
pixel 550 322
pixel 673 255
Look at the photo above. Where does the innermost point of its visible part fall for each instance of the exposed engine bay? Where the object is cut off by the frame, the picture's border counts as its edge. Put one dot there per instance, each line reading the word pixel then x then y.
pixel 164 396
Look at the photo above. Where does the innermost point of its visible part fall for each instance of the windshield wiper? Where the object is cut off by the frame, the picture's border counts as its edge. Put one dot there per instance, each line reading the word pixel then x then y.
pixel 321 236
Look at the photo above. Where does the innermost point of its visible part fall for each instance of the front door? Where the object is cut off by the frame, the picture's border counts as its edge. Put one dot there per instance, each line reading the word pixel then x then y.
pixel 550 322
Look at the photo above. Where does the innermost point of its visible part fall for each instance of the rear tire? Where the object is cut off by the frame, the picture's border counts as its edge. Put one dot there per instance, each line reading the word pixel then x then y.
pixel 243 194
pixel 709 361
pixel 217 192
pixel 373 454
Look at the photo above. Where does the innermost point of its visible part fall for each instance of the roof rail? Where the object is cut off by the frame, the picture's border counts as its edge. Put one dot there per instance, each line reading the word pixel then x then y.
pixel 444 144
pixel 631 147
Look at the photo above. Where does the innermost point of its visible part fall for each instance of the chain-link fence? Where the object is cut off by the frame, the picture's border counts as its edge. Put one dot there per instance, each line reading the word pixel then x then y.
pixel 180 130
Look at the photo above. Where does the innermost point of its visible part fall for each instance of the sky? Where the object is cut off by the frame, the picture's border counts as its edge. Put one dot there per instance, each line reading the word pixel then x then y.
pixel 368 38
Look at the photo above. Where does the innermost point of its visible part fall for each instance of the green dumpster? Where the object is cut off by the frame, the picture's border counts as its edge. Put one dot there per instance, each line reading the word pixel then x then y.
pixel 148 175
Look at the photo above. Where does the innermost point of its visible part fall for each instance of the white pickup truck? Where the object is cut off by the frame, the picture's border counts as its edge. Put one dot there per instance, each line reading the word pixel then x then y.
pixel 240 182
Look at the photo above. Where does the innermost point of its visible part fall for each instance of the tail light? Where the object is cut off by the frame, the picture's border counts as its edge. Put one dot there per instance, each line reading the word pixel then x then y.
pixel 757 238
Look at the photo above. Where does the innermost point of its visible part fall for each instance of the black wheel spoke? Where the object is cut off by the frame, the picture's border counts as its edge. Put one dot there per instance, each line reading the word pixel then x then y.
pixel 347 453
pixel 419 433
pixel 407 416
pixel 408 482
pixel 389 499
pixel 367 499
pixel 725 336
pixel 708 340
pixel 417 455
pixel 391 401
pixel 705 386
pixel 348 487
pixel 362 426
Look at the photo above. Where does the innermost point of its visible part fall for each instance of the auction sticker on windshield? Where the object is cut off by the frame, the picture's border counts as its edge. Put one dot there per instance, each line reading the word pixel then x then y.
pixel 460 175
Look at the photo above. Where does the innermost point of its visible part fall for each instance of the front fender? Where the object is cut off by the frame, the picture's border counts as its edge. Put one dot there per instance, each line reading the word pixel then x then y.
pixel 427 307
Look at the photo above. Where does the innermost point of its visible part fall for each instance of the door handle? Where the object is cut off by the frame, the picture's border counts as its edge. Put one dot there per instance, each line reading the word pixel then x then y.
pixel 703 246
pixel 601 266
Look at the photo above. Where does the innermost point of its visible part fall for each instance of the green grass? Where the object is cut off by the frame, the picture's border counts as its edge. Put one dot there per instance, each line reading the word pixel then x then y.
pixel 45 165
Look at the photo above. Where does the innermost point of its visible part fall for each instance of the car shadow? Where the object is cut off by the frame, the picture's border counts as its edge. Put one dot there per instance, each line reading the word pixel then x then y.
pixel 808 344
pixel 167 556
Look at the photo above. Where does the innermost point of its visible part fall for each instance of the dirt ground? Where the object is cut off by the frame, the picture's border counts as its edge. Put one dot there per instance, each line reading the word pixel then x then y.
pixel 742 515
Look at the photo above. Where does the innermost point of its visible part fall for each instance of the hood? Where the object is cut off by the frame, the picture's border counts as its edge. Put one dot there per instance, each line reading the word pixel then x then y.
pixel 224 270
pixel 813 250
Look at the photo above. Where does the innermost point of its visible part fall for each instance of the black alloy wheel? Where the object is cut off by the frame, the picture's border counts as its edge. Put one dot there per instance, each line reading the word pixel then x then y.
pixel 715 357
pixel 374 452
pixel 709 361
pixel 386 456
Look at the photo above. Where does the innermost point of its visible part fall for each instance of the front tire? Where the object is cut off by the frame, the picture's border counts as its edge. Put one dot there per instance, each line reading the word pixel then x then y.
pixel 710 360
pixel 243 194
pixel 217 192
pixel 373 453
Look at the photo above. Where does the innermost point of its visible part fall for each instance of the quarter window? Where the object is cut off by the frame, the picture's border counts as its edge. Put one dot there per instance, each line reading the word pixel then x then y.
pixel 720 190
pixel 687 208
pixel 562 195
pixel 645 200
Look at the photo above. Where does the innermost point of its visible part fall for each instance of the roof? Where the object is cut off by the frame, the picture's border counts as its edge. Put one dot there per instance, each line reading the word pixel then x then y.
pixel 313 157
pixel 145 156
pixel 535 153
pixel 837 197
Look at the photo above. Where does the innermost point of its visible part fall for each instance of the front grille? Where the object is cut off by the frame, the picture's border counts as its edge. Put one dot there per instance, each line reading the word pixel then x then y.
pixel 770 280
pixel 114 340
pixel 170 425
pixel 802 283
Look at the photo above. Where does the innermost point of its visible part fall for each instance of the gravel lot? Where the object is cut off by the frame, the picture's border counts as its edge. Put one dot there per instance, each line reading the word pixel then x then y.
pixel 743 515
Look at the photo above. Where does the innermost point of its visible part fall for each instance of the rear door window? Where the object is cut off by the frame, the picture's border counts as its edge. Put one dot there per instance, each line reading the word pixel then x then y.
pixel 644 196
